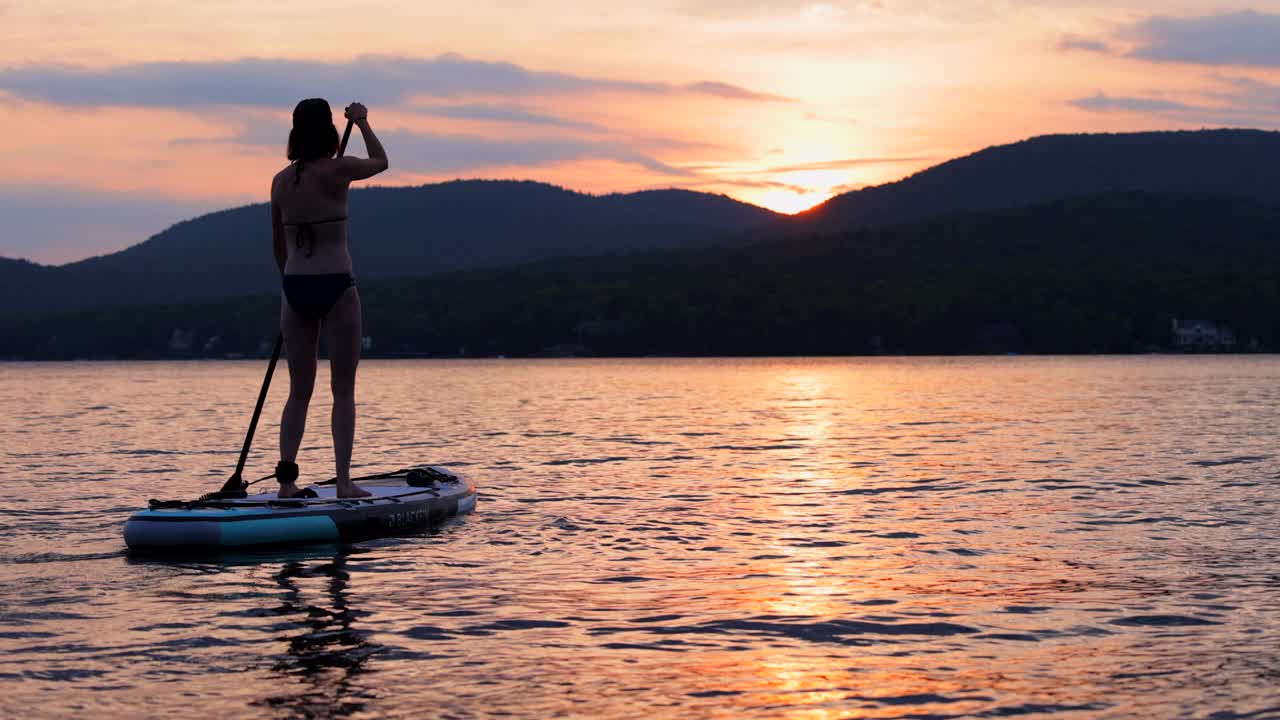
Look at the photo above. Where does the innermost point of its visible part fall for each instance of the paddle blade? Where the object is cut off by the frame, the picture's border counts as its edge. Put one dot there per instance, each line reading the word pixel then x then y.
pixel 234 484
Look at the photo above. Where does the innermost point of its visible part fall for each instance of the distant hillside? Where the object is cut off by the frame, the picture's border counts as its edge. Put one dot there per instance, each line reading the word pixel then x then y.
pixel 1107 273
pixel 414 232
pixel 395 232
pixel 1239 163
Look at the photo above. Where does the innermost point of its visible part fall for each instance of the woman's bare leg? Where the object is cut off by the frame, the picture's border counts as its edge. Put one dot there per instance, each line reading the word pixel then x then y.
pixel 342 328
pixel 301 337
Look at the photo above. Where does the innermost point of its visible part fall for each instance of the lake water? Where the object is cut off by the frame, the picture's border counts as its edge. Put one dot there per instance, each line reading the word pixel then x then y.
pixel 886 538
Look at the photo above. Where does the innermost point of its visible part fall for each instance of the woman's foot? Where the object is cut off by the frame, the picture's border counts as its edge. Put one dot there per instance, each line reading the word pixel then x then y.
pixel 287 476
pixel 291 490
pixel 349 489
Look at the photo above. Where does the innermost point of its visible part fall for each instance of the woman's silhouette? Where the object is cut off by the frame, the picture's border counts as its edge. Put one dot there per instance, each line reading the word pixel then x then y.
pixel 309 231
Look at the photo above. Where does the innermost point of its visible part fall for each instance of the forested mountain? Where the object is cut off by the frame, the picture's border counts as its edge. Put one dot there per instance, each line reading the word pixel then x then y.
pixel 395 232
pixel 1237 163
pixel 415 232
pixel 1107 273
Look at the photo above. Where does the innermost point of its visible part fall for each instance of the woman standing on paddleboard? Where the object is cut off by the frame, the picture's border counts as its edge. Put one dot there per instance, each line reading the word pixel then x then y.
pixel 319 297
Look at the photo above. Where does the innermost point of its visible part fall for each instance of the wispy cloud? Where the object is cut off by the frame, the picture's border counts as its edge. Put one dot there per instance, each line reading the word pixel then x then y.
pixel 436 154
pixel 840 164
pixel 1246 38
pixel 1235 101
pixel 257 82
pixel 719 183
pixel 1079 42
pixel 505 113
pixel 429 153
pixel 1101 102
pixel 732 92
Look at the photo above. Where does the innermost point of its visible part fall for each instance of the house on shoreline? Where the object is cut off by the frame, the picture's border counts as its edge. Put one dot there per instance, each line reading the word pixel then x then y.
pixel 1202 335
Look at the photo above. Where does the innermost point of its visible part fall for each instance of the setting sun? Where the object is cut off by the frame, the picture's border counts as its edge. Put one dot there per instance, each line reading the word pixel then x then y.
pixel 786 201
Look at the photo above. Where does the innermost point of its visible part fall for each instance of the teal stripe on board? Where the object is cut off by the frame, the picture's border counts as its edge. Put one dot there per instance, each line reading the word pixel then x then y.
pixel 279 530
pixel 211 514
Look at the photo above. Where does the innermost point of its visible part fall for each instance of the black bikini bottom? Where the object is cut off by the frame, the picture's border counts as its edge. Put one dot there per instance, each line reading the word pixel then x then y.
pixel 313 296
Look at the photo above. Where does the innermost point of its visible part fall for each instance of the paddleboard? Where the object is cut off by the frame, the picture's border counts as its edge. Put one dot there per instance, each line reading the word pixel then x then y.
pixel 401 502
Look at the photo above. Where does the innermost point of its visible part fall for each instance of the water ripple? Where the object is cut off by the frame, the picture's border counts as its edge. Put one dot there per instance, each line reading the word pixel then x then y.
pixel 917 538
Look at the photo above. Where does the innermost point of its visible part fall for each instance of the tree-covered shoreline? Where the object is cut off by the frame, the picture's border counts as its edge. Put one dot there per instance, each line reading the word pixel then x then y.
pixel 1103 274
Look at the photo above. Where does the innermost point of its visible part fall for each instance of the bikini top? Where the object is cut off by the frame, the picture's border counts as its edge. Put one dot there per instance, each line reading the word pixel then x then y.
pixel 307 232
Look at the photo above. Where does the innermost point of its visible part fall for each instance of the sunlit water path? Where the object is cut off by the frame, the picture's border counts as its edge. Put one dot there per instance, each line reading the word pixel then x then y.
pixel 924 538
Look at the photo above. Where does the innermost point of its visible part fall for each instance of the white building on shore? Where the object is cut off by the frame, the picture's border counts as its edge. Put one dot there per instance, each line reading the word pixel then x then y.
pixel 1196 334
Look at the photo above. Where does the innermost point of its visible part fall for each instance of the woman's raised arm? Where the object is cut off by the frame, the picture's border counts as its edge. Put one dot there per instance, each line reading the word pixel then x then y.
pixel 360 168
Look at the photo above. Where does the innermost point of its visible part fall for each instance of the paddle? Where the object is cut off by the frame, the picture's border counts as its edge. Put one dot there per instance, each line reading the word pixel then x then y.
pixel 235 485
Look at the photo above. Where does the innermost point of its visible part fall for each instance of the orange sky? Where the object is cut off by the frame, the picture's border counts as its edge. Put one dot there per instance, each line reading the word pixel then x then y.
pixel 127 116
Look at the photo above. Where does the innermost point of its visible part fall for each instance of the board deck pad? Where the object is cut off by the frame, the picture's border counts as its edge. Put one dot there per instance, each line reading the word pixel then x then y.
pixel 381 489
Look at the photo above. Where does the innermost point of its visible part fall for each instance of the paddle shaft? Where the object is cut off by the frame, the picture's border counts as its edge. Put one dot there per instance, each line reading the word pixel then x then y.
pixel 236 481
pixel 257 411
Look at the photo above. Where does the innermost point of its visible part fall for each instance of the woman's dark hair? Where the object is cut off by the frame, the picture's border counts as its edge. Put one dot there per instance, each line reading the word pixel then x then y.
pixel 313 135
